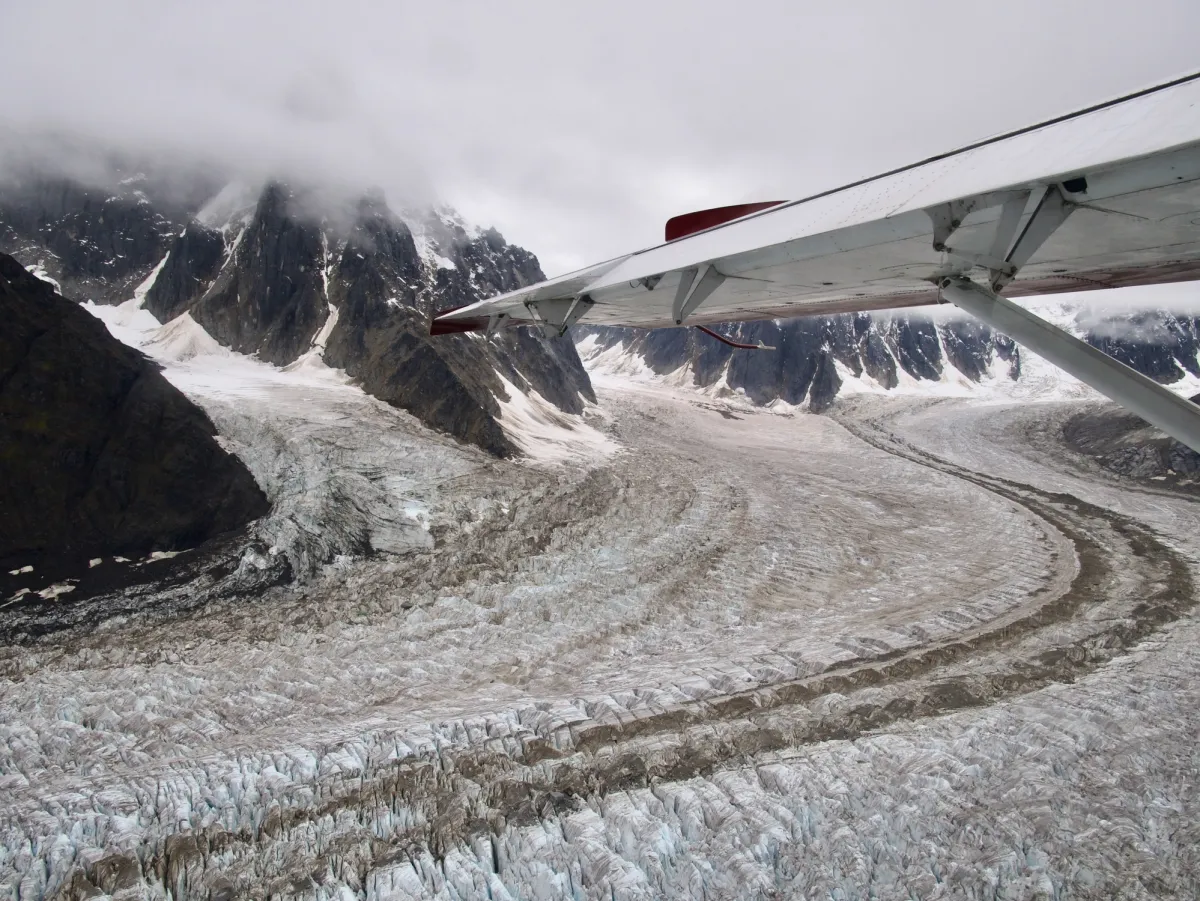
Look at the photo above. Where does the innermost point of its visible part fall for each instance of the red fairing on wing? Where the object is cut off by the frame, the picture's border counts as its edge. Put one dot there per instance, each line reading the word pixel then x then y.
pixel 690 223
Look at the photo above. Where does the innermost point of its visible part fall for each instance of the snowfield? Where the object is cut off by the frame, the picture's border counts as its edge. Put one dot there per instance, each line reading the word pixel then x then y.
pixel 690 649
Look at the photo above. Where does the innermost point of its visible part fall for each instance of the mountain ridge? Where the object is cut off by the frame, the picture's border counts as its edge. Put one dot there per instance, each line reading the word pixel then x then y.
pixel 816 358
pixel 262 274
pixel 101 454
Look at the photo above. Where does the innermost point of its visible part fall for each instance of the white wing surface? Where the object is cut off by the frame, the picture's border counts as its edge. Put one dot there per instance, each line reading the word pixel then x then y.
pixel 1105 197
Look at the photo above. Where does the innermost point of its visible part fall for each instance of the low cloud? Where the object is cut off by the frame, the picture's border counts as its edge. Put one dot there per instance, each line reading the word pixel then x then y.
pixel 577 129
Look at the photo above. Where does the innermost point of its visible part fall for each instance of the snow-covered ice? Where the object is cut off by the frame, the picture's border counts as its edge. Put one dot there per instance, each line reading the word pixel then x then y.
pixel 894 652
pixel 546 434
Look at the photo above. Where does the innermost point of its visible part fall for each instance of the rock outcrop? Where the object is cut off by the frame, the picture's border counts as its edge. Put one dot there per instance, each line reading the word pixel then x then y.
pixel 1155 343
pixel 1126 444
pixel 273 278
pixel 192 265
pixel 96 243
pixel 381 290
pixel 384 294
pixel 803 370
pixel 267 281
pixel 269 299
pixel 99 454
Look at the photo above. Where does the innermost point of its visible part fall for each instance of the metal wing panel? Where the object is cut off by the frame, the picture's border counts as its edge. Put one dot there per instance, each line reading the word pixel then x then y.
pixel 1152 124
pixel 871 245
pixel 1149 125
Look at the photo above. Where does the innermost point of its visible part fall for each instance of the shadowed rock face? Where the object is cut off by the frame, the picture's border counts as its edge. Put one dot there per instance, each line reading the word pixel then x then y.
pixel 379 287
pixel 264 283
pixel 802 369
pixel 1157 343
pixel 270 299
pixel 99 454
pixel 98 244
pixel 1126 444
pixel 381 290
pixel 1160 345
pixel 486 265
pixel 192 265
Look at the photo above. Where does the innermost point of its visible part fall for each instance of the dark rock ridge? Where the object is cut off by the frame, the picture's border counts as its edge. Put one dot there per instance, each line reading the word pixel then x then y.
pixel 266 281
pixel 802 369
pixel 1157 343
pixel 96 243
pixel 196 257
pixel 384 293
pixel 99 454
pixel 1125 444
pixel 269 297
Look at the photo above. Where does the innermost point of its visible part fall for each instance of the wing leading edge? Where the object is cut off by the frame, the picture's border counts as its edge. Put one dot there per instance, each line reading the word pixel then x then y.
pixel 1127 171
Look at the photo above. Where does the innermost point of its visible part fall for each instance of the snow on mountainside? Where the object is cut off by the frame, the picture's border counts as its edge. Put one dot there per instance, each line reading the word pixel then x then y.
pixel 262 273
pixel 934 353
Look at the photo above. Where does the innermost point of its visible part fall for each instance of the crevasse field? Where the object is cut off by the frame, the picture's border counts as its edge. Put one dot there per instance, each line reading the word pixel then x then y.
pixel 686 648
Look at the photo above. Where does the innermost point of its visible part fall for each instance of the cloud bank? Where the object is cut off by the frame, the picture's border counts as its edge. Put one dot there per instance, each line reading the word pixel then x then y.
pixel 577 129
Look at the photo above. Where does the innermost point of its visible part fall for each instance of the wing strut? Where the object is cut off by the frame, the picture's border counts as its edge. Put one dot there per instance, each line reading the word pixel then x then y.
pixel 692 293
pixel 1177 417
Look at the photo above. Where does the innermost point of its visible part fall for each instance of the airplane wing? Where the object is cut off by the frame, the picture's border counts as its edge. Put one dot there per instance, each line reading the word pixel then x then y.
pixel 1108 196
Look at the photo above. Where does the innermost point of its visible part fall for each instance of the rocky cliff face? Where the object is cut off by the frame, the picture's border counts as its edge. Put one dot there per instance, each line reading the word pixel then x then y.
pixel 96 243
pixel 1126 444
pixel 100 455
pixel 384 294
pixel 814 353
pixel 269 298
pixel 1158 344
pixel 804 367
pixel 284 275
pixel 271 278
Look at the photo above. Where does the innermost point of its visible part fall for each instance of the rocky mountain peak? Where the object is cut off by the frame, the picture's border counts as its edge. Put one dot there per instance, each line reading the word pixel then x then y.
pixel 812 353
pixel 380 248
pixel 101 454
pixel 265 273
pixel 270 298
pixel 97 242
pixel 817 356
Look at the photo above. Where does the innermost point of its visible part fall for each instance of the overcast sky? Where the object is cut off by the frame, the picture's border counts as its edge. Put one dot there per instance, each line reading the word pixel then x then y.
pixel 575 128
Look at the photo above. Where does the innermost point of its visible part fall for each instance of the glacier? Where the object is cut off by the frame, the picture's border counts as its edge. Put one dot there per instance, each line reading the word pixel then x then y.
pixel 916 647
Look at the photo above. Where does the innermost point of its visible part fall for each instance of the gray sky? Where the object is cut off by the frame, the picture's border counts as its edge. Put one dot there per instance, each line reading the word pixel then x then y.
pixel 576 128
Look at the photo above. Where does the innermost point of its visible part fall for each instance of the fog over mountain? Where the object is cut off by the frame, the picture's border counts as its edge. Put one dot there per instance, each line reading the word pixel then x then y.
pixel 575 130
pixel 280 271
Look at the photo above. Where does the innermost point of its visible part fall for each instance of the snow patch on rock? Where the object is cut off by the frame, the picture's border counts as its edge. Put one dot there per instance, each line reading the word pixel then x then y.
pixel 128 322
pixel 140 292
pixel 182 339
pixel 38 270
pixel 545 434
